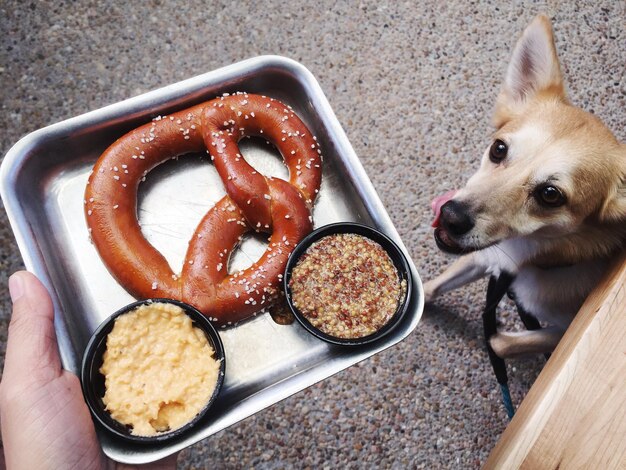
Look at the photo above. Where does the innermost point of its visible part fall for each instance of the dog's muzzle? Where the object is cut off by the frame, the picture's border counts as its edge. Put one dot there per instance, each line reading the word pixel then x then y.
pixel 454 221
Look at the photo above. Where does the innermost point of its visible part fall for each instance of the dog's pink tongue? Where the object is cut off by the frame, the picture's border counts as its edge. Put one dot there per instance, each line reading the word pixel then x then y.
pixel 438 202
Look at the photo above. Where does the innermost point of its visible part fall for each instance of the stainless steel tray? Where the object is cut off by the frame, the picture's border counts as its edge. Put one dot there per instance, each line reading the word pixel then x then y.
pixel 43 180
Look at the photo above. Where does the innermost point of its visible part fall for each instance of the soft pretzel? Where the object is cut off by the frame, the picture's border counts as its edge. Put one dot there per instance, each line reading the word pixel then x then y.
pixel 253 202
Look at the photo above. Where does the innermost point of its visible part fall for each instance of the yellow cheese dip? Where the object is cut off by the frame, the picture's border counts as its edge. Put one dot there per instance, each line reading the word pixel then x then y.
pixel 159 369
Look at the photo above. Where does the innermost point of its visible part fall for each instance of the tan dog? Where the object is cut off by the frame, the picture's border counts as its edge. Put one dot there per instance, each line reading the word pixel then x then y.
pixel 547 205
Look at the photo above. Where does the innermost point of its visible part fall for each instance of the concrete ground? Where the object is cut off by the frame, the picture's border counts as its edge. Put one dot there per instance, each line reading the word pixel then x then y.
pixel 413 84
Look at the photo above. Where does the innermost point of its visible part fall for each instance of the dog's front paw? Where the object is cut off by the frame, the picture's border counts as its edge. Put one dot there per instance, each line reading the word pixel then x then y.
pixel 500 343
pixel 513 344
pixel 430 292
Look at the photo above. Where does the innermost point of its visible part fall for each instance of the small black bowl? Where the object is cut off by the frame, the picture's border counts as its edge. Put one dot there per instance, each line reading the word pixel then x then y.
pixel 92 380
pixel 394 252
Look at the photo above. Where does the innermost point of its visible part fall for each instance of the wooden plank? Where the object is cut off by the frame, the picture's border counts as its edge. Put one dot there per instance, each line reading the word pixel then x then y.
pixel 574 415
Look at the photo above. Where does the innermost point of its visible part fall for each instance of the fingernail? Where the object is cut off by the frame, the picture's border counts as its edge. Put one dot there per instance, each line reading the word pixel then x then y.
pixel 16 286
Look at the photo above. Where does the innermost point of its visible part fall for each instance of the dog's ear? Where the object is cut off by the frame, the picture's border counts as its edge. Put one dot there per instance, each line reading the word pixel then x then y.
pixel 533 70
pixel 614 207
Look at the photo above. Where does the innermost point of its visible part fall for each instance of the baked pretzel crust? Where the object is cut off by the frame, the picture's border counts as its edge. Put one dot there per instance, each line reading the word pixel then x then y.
pixel 253 202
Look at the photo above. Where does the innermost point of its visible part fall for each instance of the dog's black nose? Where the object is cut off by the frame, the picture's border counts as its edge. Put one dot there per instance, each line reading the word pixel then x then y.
pixel 455 217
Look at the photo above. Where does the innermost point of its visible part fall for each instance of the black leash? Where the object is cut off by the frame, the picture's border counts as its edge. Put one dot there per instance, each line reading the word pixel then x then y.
pixel 496 289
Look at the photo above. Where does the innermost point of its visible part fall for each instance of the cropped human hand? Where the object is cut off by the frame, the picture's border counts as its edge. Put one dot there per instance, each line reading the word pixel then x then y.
pixel 44 419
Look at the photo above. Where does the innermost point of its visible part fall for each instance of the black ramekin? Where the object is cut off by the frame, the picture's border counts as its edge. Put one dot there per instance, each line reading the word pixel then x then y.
pixel 92 380
pixel 394 252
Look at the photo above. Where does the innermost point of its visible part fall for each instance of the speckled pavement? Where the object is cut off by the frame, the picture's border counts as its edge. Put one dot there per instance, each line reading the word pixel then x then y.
pixel 413 86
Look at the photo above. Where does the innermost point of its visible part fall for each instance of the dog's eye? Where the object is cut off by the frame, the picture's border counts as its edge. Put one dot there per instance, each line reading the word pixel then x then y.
pixel 549 196
pixel 498 151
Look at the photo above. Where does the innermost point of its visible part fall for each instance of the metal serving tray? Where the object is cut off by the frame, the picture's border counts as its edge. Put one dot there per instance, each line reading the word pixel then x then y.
pixel 43 179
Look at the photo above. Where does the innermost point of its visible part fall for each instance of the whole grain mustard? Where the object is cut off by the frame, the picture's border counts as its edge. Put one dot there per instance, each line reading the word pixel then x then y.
pixel 346 285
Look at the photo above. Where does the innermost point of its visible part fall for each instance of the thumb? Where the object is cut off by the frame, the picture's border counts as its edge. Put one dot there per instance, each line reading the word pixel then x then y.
pixel 32 353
